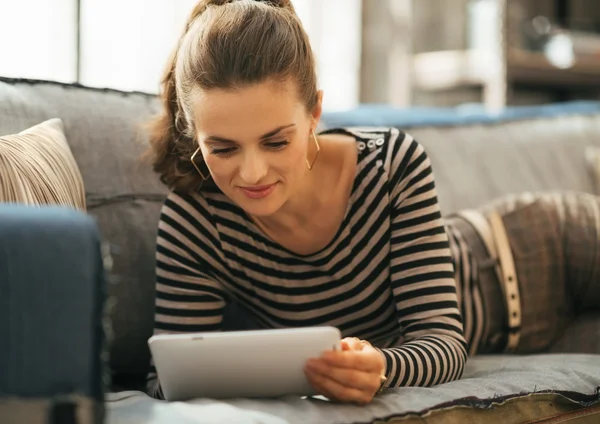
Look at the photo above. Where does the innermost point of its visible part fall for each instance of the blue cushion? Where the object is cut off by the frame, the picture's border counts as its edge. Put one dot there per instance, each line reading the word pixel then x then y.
pixel 384 115
pixel 52 293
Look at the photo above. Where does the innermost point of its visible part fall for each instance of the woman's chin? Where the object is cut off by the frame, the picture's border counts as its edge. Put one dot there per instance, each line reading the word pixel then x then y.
pixel 263 210
pixel 259 207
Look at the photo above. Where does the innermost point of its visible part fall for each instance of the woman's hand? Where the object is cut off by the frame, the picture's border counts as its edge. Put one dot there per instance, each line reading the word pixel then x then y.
pixel 353 374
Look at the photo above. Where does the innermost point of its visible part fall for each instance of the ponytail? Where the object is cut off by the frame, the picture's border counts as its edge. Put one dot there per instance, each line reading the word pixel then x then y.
pixel 171 147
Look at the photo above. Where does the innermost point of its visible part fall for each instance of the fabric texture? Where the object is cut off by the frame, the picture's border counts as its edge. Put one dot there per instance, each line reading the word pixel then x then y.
pixel 555 242
pixel 582 336
pixel 486 158
pixel 478 284
pixel 37 167
pixel 557 260
pixel 52 296
pixel 485 384
pixel 536 244
pixel 592 156
pixel 377 115
pixel 75 409
pixel 105 131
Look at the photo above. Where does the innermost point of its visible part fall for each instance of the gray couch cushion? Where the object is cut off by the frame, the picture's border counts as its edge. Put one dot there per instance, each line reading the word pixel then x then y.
pixel 477 163
pixel 478 156
pixel 486 379
pixel 104 131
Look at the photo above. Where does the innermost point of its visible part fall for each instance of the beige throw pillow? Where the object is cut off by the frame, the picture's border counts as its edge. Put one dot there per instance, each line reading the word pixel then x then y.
pixel 37 167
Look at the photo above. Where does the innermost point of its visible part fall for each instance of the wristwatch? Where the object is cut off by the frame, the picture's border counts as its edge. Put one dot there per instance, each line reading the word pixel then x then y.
pixel 383 378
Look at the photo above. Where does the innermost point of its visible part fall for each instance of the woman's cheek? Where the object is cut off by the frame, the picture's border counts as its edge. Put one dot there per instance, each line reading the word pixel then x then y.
pixel 220 169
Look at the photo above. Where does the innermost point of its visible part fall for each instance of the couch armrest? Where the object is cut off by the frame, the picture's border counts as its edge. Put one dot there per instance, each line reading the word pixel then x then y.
pixel 52 291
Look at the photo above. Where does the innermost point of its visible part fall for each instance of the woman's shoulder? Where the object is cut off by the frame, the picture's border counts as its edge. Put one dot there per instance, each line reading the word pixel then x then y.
pixel 361 133
pixel 392 147
pixel 370 139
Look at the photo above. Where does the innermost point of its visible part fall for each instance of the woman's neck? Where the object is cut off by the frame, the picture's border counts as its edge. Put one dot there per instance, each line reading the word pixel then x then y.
pixel 324 188
pixel 309 220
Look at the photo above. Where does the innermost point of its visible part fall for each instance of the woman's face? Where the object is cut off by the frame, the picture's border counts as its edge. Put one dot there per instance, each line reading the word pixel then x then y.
pixel 254 141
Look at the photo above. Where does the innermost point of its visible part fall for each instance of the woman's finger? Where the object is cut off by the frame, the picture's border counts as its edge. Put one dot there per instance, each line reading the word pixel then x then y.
pixel 352 343
pixel 369 360
pixel 315 381
pixel 336 391
pixel 352 378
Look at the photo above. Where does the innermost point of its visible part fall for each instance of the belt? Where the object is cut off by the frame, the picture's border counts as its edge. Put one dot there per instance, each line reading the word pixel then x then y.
pixel 493 234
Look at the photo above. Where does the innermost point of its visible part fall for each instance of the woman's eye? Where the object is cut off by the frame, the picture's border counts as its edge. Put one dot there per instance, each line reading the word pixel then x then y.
pixel 222 152
pixel 277 144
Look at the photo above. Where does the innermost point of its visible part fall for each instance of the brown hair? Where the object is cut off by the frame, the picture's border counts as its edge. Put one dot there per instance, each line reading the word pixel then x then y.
pixel 226 44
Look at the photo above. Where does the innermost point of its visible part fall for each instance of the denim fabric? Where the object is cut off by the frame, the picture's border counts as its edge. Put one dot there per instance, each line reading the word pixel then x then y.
pixel 106 132
pixel 51 303
pixel 494 389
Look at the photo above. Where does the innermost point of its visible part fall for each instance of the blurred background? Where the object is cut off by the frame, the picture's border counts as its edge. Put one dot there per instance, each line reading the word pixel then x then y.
pixel 404 53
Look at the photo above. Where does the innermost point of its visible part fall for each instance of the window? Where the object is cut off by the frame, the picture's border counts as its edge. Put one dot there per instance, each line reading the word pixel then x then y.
pixel 124 44
pixel 38 39
pixel 334 28
pixel 128 50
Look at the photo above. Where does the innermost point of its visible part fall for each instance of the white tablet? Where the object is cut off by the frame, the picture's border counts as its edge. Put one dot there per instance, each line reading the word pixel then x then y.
pixel 252 364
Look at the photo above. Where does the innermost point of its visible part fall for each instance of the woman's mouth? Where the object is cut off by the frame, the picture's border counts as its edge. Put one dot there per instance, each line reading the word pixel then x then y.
pixel 258 192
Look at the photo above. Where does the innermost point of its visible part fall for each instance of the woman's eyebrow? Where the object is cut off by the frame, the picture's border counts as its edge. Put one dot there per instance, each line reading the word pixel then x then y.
pixel 262 137
pixel 276 131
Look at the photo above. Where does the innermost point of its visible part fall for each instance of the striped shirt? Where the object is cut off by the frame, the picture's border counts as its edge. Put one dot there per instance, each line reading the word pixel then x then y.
pixel 386 277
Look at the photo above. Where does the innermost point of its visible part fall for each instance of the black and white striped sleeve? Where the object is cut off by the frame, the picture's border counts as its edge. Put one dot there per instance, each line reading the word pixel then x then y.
pixel 433 348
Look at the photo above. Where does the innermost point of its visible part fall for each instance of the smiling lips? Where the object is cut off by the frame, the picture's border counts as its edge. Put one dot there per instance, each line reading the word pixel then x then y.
pixel 258 192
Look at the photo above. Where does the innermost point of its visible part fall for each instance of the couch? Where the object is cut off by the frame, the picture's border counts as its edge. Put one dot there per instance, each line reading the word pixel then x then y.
pixel 475 156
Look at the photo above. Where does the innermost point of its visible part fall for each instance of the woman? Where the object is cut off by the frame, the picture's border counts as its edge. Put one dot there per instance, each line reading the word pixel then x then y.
pixel 341 228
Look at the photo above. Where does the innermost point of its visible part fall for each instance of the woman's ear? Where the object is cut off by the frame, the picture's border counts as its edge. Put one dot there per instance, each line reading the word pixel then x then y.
pixel 317 110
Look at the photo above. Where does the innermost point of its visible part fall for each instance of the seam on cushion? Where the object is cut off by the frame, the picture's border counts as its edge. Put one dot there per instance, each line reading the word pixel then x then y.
pixel 74 85
pixel 95 201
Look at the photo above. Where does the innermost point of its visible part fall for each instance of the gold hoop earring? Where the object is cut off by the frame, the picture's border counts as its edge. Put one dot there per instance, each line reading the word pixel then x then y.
pixel 196 166
pixel 311 164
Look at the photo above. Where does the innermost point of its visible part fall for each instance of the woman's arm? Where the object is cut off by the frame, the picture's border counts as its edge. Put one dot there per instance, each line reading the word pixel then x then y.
pixel 433 350
pixel 188 297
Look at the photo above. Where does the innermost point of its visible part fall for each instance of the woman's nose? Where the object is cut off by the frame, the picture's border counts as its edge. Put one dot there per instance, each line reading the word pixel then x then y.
pixel 254 168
